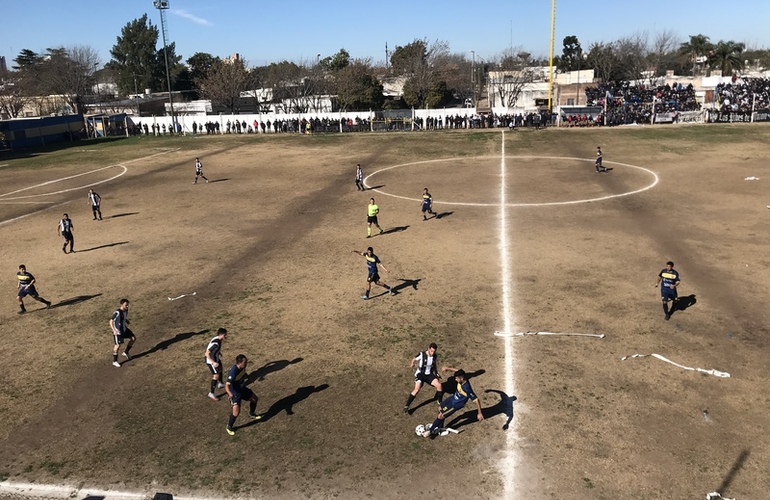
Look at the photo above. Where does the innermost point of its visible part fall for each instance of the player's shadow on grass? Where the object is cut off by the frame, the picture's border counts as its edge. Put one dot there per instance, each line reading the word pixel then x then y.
pixel 441 215
pixel 164 344
pixel 392 230
pixel 734 470
pixel 103 246
pixel 375 187
pixel 503 407
pixel 126 214
pixel 268 368
pixel 684 303
pixel 219 180
pixel 406 283
pixel 287 404
pixel 75 300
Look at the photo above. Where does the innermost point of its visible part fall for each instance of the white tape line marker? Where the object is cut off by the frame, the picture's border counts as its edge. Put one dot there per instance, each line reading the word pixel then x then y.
pixel 716 496
pixel 183 295
pixel 716 373
pixel 565 334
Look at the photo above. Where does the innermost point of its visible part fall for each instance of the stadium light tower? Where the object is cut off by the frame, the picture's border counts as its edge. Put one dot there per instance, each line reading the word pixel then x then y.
pixel 162 6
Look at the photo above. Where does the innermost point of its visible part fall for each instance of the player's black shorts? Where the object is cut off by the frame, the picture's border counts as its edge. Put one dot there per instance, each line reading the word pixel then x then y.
pixel 373 278
pixel 667 294
pixel 66 235
pixel 23 292
pixel 425 379
pixel 127 335
pixel 214 371
pixel 244 394
pixel 372 219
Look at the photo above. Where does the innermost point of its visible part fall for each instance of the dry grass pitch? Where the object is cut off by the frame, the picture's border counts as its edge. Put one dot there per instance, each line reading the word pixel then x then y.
pixel 266 246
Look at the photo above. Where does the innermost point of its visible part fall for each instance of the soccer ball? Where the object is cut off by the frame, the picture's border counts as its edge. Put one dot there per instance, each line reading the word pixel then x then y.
pixel 419 430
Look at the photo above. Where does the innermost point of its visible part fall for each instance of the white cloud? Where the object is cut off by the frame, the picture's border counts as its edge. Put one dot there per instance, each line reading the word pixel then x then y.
pixel 197 20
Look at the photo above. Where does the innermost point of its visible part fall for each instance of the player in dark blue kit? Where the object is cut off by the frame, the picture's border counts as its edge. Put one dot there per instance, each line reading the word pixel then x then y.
pixel 26 286
pixel 427 204
pixel 374 276
pixel 668 279
pixel 455 402
pixel 237 392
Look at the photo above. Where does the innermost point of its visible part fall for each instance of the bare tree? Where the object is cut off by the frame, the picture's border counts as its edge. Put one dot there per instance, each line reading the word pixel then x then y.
pixel 513 74
pixel 224 83
pixel 68 72
pixel 631 52
pixel 13 97
pixel 662 55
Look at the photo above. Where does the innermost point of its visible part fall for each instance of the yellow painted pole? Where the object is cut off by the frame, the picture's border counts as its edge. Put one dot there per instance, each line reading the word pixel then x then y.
pixel 550 59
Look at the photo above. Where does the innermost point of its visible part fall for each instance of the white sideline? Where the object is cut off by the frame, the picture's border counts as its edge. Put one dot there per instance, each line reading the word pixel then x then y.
pixel 509 462
pixel 34 490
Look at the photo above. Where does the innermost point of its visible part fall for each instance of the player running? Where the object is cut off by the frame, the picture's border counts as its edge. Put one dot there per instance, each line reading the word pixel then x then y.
pixel 454 402
pixel 373 275
pixel 427 204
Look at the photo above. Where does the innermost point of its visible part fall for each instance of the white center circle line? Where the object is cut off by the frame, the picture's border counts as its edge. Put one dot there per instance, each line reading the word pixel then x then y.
pixel 655 180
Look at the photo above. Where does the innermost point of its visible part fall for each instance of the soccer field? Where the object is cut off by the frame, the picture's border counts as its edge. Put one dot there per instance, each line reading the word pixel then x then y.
pixel 529 239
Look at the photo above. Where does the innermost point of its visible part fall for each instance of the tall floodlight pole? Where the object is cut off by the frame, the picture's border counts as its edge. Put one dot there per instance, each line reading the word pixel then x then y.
pixel 162 6
pixel 550 59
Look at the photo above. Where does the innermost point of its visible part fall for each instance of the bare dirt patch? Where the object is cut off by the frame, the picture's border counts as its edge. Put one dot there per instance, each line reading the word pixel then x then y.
pixel 267 247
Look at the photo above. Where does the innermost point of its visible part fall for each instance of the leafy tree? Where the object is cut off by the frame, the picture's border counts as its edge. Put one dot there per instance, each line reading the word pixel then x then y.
pixel 335 63
pixel 631 53
pixel 571 55
pixel 605 62
pixel 409 58
pixel 726 56
pixel 697 51
pixel 200 65
pixel 357 88
pixel 136 62
pixel 225 82
pixel 27 59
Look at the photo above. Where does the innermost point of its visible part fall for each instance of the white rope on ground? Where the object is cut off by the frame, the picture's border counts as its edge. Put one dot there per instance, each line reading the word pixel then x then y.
pixel 716 496
pixel 183 295
pixel 716 373
pixel 522 334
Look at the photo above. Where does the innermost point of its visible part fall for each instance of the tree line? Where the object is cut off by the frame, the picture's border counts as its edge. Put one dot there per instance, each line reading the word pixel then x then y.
pixel 432 75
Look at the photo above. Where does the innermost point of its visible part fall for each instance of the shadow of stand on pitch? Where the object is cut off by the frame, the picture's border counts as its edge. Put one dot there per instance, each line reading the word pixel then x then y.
pixel 268 368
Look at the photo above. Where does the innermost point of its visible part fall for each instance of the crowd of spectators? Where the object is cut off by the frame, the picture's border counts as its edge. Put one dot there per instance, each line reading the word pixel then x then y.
pixel 743 95
pixel 628 103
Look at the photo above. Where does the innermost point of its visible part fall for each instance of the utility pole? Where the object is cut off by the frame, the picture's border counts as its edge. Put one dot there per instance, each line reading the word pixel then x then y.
pixel 162 6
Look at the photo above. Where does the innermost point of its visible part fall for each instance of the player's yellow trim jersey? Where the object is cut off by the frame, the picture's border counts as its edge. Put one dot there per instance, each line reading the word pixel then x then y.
pixel 24 278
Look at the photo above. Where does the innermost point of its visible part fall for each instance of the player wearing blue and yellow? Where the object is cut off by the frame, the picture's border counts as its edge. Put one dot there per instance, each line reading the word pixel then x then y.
pixel 668 279
pixel 238 392
pixel 456 401
pixel 26 286
pixel 373 276
pixel 427 204
pixel 371 218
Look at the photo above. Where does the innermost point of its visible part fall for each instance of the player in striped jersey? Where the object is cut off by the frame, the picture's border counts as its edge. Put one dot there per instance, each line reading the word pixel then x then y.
pixel 214 362
pixel 95 200
pixel 199 171
pixel 427 373
pixel 65 230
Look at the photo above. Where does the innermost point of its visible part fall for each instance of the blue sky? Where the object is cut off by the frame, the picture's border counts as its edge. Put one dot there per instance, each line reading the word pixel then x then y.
pixel 299 30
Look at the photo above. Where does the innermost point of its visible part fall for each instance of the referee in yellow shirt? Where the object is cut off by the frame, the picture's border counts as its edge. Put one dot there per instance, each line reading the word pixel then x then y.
pixel 372 218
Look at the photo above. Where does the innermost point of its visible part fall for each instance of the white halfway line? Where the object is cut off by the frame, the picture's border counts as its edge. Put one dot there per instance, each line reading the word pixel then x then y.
pixel 521 334
pixel 716 373
pixel 183 295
